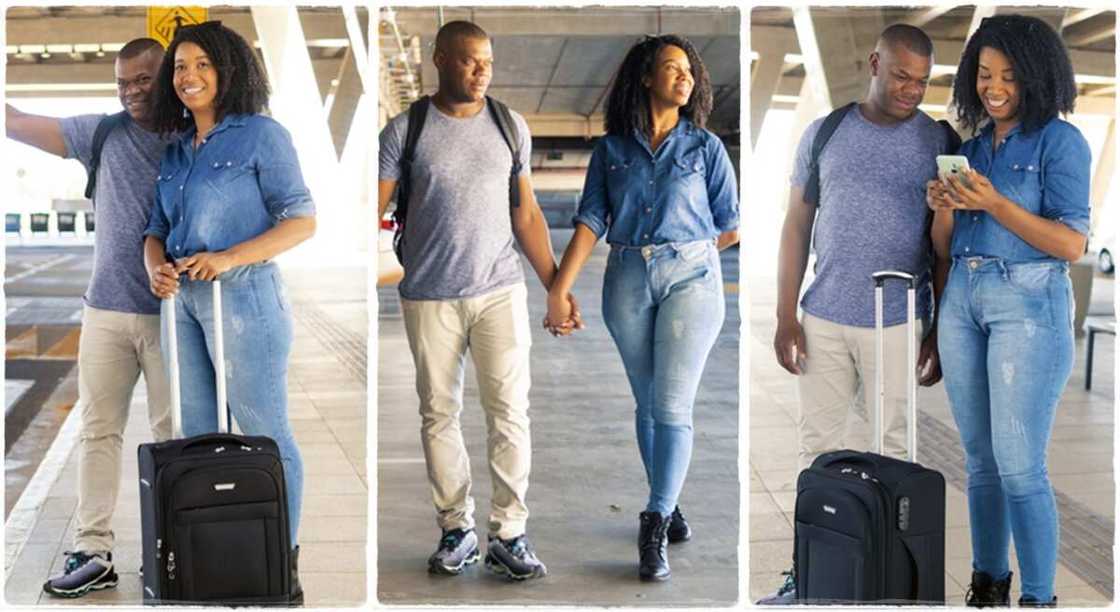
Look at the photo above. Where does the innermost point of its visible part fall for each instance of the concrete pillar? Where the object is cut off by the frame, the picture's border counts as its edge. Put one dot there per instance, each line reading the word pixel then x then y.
pixel 297 105
pixel 344 101
pixel 765 75
pixel 1102 178
pixel 842 44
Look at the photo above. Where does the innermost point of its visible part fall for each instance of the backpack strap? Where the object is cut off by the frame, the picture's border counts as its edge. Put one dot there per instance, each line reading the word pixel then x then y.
pixel 500 113
pixel 952 138
pixel 107 124
pixel 812 193
pixel 417 114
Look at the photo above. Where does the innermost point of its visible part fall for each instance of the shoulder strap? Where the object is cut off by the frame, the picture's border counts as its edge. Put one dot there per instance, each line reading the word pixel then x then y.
pixel 952 138
pixel 100 134
pixel 500 113
pixel 417 114
pixel 828 127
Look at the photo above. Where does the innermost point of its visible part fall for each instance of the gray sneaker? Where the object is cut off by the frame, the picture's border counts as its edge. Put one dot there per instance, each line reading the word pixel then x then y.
pixel 82 573
pixel 786 595
pixel 458 548
pixel 514 558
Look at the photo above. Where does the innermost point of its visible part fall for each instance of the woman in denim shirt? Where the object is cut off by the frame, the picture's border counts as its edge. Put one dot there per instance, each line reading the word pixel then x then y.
pixel 230 197
pixel 663 190
pixel 1005 329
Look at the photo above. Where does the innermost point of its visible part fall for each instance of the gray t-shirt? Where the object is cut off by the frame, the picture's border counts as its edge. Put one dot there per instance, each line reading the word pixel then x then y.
pixel 126 187
pixel 872 216
pixel 458 237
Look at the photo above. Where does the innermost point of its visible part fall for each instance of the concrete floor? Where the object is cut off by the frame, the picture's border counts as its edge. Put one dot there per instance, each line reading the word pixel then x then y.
pixel 1080 462
pixel 327 408
pixel 587 486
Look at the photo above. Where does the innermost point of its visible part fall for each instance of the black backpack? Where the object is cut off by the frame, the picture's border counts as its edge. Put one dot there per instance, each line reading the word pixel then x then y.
pixel 812 193
pixel 417 113
pixel 107 124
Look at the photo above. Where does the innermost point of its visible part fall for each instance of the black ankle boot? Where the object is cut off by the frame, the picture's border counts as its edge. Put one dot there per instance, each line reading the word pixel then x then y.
pixel 987 593
pixel 296 598
pixel 679 531
pixel 653 544
pixel 1030 603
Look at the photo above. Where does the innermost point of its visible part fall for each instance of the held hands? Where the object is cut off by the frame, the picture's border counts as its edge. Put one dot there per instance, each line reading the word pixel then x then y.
pixel 974 192
pixel 563 315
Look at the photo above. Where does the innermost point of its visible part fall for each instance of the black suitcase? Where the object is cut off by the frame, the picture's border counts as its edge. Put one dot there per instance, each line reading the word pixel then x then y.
pixel 213 509
pixel 870 528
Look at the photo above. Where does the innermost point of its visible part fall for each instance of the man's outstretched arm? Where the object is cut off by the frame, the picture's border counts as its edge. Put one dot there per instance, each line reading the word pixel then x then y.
pixel 40 132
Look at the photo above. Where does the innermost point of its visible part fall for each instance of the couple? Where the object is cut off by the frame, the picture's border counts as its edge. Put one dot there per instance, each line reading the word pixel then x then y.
pixel 228 197
pixel 998 249
pixel 663 190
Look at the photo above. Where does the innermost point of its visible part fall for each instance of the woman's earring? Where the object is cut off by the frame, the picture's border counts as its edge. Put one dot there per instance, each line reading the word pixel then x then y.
pixel 186 113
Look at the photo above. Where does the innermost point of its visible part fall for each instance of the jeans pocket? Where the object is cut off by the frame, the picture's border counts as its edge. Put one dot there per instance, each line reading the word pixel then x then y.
pixel 281 293
pixel 695 251
pixel 1030 280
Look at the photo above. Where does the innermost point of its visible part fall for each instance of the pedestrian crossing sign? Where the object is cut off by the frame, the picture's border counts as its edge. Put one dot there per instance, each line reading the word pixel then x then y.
pixel 164 21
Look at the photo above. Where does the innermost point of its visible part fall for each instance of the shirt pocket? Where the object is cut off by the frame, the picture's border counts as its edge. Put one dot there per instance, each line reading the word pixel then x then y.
pixel 1024 184
pixel 621 174
pixel 226 176
pixel 690 164
pixel 169 185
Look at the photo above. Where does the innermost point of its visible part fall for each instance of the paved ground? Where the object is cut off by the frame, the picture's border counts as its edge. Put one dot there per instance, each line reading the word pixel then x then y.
pixel 1081 459
pixel 327 393
pixel 587 486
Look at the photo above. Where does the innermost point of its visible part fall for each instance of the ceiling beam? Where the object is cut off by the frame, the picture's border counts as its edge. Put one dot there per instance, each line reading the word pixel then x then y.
pixel 1087 38
pixel 1075 16
pixel 576 22
pixel 922 17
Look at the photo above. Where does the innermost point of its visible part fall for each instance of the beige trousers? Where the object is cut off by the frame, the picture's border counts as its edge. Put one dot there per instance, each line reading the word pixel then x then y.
pixel 495 329
pixel 114 348
pixel 837 389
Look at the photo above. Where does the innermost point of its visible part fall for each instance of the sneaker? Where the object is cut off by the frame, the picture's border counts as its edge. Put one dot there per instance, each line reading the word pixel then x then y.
pixel 82 573
pixel 984 592
pixel 458 548
pixel 786 595
pixel 514 558
pixel 679 531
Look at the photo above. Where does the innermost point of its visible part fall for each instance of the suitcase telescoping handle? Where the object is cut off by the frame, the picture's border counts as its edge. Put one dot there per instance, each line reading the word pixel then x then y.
pixel 219 366
pixel 880 279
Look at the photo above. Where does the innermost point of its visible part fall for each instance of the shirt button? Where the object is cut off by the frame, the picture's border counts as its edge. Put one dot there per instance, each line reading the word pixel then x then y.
pixel 966 249
pixel 651 182
pixel 645 235
pixel 649 210
pixel 975 217
pixel 180 187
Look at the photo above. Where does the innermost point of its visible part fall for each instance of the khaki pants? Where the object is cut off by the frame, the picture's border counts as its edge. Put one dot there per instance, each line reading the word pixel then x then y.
pixel 495 328
pixel 837 389
pixel 115 347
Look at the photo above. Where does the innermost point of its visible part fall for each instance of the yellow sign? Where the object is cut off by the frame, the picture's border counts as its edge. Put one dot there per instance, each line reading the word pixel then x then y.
pixel 163 21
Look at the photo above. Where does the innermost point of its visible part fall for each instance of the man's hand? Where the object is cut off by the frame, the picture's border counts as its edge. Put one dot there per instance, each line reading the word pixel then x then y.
pixel 929 361
pixel 164 281
pixel 563 315
pixel 789 346
pixel 205 266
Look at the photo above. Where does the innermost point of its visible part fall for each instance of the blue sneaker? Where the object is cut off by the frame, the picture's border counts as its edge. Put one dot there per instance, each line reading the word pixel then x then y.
pixel 82 573
pixel 514 558
pixel 458 548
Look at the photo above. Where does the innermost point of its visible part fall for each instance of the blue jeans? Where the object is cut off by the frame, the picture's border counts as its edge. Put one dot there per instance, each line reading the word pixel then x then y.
pixel 1005 336
pixel 257 331
pixel 664 307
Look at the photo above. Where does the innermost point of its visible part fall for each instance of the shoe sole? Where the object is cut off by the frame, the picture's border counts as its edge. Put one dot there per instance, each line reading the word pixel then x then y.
pixel 435 567
pixel 500 569
pixel 655 578
pixel 678 539
pixel 97 586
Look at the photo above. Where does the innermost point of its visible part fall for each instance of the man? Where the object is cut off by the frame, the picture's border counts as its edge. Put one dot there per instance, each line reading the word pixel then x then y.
pixel 871 215
pixel 120 318
pixel 463 288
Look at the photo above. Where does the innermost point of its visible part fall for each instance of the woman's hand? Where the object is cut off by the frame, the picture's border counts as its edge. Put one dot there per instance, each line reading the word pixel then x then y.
pixel 164 281
pixel 937 196
pixel 563 315
pixel 977 194
pixel 205 266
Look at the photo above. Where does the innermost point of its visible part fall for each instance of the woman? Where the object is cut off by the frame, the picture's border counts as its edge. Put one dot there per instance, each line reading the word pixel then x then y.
pixel 230 197
pixel 663 191
pixel 1005 330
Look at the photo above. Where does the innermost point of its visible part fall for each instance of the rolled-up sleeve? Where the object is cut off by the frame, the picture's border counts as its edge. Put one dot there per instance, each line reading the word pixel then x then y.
pixel 279 176
pixel 158 226
pixel 594 205
pixel 723 190
pixel 1066 183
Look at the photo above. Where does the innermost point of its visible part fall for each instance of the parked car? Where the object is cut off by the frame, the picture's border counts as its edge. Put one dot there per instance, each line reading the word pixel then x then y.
pixel 1105 249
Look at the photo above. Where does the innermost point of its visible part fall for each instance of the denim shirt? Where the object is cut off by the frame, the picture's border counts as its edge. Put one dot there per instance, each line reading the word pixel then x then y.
pixel 1045 171
pixel 241 181
pixel 685 191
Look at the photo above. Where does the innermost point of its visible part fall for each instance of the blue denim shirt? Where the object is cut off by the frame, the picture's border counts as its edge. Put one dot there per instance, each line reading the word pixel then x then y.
pixel 685 191
pixel 238 184
pixel 1045 172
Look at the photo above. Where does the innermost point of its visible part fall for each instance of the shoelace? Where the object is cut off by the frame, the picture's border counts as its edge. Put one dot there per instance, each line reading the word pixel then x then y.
pixel 450 541
pixel 74 560
pixel 789 584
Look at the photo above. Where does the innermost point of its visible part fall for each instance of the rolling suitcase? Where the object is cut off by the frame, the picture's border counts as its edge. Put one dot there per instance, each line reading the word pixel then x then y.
pixel 213 507
pixel 870 528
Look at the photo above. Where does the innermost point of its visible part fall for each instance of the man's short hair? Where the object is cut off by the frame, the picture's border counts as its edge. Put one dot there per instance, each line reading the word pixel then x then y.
pixel 138 47
pixel 454 30
pixel 908 36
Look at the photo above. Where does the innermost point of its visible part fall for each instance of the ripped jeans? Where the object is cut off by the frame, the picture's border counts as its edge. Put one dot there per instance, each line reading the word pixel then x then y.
pixel 257 331
pixel 664 306
pixel 1005 335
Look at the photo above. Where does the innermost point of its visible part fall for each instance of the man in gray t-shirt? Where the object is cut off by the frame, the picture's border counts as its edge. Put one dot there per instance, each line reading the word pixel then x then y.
pixel 871 215
pixel 463 289
pixel 120 320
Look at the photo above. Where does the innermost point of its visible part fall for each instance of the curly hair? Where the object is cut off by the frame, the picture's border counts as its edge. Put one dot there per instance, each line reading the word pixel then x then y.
pixel 1041 64
pixel 242 84
pixel 628 104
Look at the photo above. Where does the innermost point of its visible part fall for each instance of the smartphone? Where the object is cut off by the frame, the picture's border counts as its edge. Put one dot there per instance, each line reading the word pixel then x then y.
pixel 948 165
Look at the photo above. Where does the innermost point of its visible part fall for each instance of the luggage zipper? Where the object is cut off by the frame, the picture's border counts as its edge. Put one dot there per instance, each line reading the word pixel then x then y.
pixel 171 566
